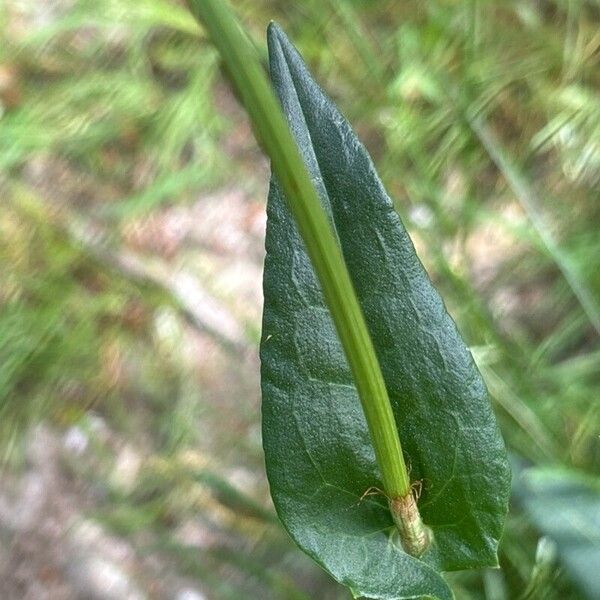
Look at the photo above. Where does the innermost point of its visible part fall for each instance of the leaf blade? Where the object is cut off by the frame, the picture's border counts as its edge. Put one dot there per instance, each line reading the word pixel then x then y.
pixel 314 432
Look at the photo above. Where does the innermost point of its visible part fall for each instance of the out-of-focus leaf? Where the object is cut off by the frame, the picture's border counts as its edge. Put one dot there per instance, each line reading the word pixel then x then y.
pixel 565 507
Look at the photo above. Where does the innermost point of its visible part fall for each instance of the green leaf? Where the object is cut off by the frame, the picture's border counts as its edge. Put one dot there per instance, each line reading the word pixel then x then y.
pixel 565 506
pixel 320 460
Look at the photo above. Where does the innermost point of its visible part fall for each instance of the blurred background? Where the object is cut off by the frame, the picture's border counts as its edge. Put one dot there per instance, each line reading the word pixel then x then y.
pixel 132 215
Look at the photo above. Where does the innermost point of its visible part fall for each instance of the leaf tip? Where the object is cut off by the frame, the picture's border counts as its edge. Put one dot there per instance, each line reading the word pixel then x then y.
pixel 279 45
pixel 274 33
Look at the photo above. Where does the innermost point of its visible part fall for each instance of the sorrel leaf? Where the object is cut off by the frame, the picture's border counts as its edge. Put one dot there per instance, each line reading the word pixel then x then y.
pixel 320 460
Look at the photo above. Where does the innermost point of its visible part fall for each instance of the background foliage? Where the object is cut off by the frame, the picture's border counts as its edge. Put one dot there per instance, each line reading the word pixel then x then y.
pixel 130 250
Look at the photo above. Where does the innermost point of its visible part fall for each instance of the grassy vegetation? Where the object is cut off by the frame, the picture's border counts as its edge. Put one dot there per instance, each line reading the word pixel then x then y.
pixel 483 119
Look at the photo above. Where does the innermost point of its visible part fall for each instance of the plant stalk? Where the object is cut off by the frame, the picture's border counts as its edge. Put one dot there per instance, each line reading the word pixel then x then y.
pixel 325 254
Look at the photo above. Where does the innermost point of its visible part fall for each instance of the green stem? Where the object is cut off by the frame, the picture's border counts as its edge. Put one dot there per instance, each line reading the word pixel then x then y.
pixel 325 254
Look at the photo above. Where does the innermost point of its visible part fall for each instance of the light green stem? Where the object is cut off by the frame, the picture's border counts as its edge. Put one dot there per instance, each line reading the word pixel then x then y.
pixel 325 254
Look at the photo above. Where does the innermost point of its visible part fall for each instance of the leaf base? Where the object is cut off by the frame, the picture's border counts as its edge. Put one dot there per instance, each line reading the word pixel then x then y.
pixel 415 536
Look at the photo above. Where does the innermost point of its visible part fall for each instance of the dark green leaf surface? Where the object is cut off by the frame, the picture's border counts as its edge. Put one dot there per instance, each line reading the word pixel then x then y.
pixel 319 456
pixel 565 506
